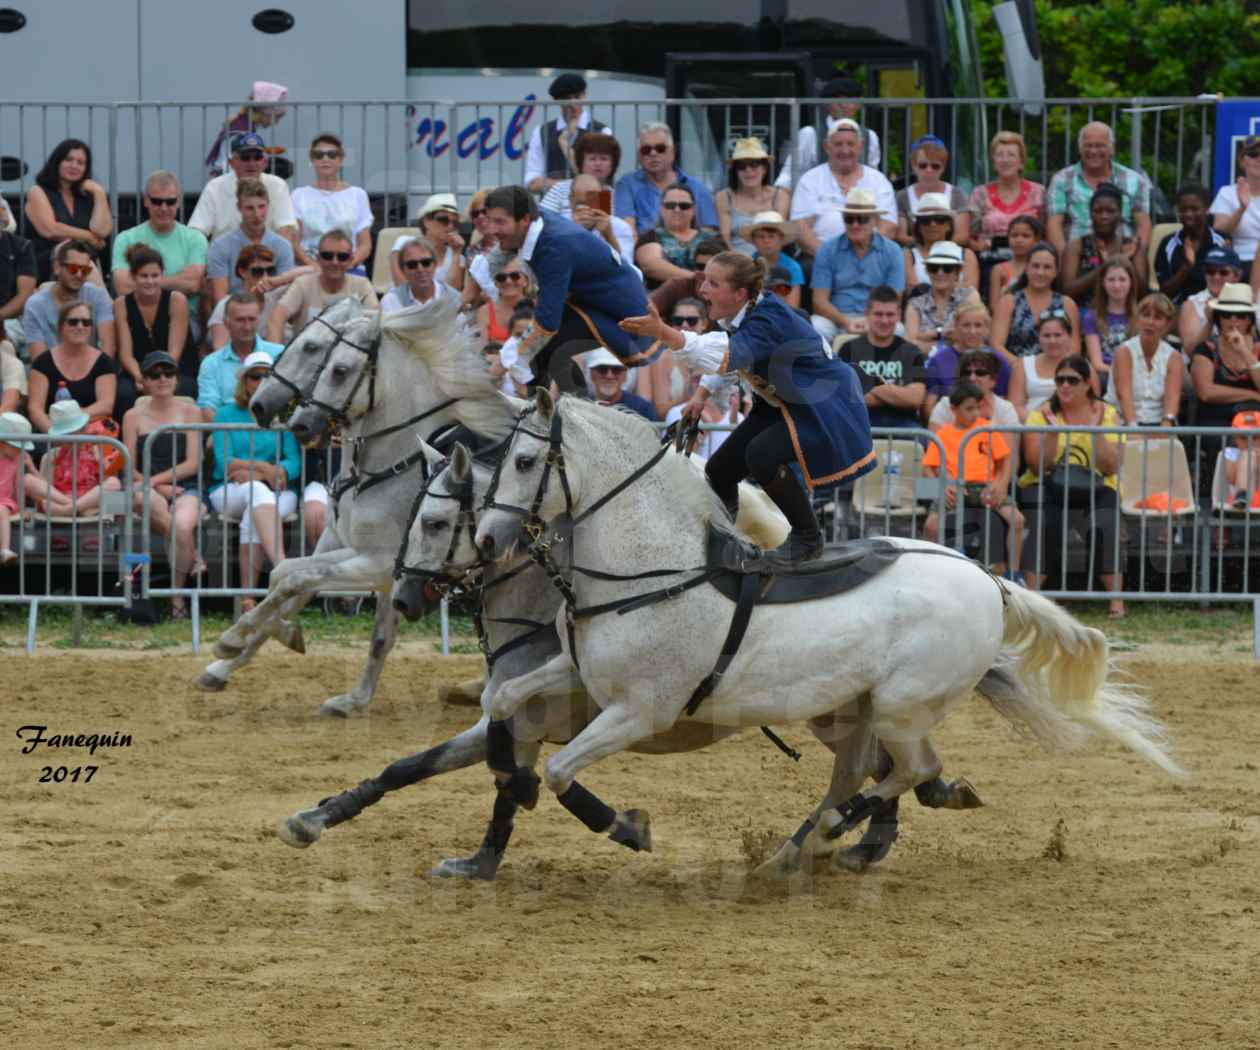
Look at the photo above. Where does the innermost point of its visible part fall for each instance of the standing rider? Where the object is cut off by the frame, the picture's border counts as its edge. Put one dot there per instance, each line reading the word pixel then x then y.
pixel 809 409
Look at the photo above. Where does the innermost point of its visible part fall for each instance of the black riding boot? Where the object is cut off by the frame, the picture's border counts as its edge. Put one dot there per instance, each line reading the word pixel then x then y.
pixel 804 542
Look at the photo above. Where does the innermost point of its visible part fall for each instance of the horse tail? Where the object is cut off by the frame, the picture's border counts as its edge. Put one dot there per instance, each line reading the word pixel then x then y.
pixel 1052 680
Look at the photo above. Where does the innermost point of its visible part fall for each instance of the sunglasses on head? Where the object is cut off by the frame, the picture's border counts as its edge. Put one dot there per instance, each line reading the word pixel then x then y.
pixel 941 268
pixel 325 154
pixel 251 155
pixel 77 269
pixel 164 372
pixel 659 147
pixel 509 275
pixel 608 370
pixel 678 205
pixel 79 322
pixel 262 271
pixel 163 202
pixel 684 319
pixel 339 256
pixel 415 264
pixel 1069 380
pixel 856 220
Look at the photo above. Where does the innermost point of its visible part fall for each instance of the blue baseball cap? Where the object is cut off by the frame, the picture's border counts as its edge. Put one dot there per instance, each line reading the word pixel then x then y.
pixel 249 140
pixel 1222 257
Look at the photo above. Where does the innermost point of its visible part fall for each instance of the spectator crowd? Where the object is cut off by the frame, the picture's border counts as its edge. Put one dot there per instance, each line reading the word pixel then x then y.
pixel 1013 303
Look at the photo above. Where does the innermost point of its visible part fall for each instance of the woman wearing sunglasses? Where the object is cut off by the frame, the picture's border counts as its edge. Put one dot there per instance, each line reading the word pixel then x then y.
pixel 930 314
pixel 515 285
pixel 667 382
pixel 929 158
pixel 254 266
pixel 147 320
pixel 1073 402
pixel 311 293
pixel 750 192
pixel 1032 378
pixel 934 223
pixel 74 365
pixel 331 203
pixel 669 249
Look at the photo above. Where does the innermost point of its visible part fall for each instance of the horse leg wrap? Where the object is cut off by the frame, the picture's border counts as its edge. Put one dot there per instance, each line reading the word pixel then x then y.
pixel 521 787
pixel 349 804
pixel 802 832
pixel 596 815
pixel 500 747
pixel 932 793
pixel 853 812
pixel 499 830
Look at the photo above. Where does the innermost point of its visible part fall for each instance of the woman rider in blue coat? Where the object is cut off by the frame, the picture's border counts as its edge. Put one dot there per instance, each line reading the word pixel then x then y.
pixel 808 410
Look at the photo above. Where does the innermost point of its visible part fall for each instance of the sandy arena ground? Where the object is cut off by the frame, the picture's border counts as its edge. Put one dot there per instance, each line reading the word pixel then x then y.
pixel 154 908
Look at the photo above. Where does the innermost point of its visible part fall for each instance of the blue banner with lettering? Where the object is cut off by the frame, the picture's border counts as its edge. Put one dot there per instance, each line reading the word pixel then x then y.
pixel 1234 122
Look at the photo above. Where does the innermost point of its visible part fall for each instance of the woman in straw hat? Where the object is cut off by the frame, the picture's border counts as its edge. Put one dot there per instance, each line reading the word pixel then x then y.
pixel 749 191
pixel 1226 371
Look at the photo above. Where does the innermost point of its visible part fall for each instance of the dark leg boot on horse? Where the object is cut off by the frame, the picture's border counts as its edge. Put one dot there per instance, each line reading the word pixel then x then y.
pixel 804 543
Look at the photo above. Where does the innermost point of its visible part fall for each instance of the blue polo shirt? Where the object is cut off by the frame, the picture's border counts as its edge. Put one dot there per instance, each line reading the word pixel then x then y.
pixel 850 279
pixel 637 198
pixel 216 379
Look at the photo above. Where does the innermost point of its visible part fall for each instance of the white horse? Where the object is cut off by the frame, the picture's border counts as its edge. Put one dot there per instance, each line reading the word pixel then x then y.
pixel 382 381
pixel 883 660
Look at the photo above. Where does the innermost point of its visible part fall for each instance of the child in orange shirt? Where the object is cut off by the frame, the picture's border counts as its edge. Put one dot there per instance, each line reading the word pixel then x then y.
pixel 985 474
pixel 1242 461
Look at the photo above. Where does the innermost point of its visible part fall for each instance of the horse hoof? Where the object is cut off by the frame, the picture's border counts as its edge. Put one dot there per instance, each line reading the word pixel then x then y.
pixel 633 829
pixel 471 869
pixel 301 829
pixel 290 636
pixel 465 694
pixel 344 706
pixel 857 858
pixel 962 795
pixel 785 862
pixel 209 683
pixel 226 651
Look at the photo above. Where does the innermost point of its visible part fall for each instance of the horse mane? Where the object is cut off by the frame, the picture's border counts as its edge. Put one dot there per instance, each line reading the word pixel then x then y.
pixel 643 439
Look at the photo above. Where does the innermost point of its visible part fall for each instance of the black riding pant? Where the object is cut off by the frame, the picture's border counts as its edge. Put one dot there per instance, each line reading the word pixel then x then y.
pixel 555 359
pixel 759 446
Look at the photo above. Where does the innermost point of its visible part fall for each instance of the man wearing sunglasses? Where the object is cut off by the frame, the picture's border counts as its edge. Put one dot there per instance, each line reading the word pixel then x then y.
pixel 72 263
pixel 418 262
pixel 311 292
pixel 638 195
pixel 253 204
pixel 216 212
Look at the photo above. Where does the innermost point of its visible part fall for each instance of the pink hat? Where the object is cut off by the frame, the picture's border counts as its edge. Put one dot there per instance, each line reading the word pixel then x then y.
pixel 265 91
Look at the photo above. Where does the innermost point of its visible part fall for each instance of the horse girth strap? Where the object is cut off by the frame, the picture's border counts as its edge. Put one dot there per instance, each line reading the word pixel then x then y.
pixel 750 586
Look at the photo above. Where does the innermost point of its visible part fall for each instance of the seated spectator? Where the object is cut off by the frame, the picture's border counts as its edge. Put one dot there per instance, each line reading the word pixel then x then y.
pixel 819 203
pixel 516 379
pixel 970 332
pixel 330 204
pixel 77 472
pixel 1242 461
pixel 637 198
pixel 995 205
pixel 319 467
pixel 438 220
pixel 17 269
pixel 72 265
pixel 183 250
pixel 216 380
pixel 551 155
pixel 607 384
pixel 724 406
pixel 750 192
pixel 617 233
pixel 253 205
pixel 216 212
pixel 419 265
pixel 1072 190
pixel 147 320
pixel 666 383
pixel 13 385
pixel 72 370
pixel 984 474
pixel 478 254
pixel 769 235
pixel 66 204
pixel 1033 378
pixel 1022 235
pixel 255 266
pixel 251 476
pixel 1073 402
pixel 174 492
pixel 930 315
pixel 263 111
pixel 1236 206
pixel 312 293
pixel 779 281
pixel 1226 371
pixel 933 224
pixel 1179 257
pixel 892 369
pixel 668 250
pixel 513 283
pixel 597 154
pixel 667 296
pixel 18 480
pixel 1147 375
pixel 1111 318
pixel 1103 240
pixel 841 90
pixel 1221 266
pixel 849 266
pixel 1034 294
pixel 981 368
pixel 929 158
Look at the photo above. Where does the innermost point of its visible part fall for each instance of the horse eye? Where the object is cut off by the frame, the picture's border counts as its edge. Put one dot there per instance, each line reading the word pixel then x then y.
pixel 435 526
pixel 340 371
pixel 524 463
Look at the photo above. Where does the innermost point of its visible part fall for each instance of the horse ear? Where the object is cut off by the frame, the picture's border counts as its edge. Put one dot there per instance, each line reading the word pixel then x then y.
pixel 543 402
pixel 461 461
pixel 432 456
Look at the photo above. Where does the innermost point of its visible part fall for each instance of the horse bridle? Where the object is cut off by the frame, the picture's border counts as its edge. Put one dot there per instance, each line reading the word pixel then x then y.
pixel 337 416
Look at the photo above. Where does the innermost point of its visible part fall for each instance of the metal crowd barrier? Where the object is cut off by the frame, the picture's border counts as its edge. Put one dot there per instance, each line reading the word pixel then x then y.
pixel 84 557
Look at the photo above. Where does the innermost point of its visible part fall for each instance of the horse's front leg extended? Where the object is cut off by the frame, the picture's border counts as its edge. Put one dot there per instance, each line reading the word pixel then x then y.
pixel 519 782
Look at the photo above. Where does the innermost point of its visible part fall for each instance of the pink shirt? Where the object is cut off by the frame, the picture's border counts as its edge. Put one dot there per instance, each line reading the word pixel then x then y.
pixel 993 215
pixel 10 472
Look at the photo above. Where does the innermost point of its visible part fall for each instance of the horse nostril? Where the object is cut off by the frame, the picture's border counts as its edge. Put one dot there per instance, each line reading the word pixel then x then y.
pixel 486 543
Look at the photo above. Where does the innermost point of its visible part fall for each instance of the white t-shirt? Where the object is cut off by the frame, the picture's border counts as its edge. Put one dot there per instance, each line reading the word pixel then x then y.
pixel 805 156
pixel 820 197
pixel 1004 415
pixel 216 212
pixel 1246 234
pixel 322 210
